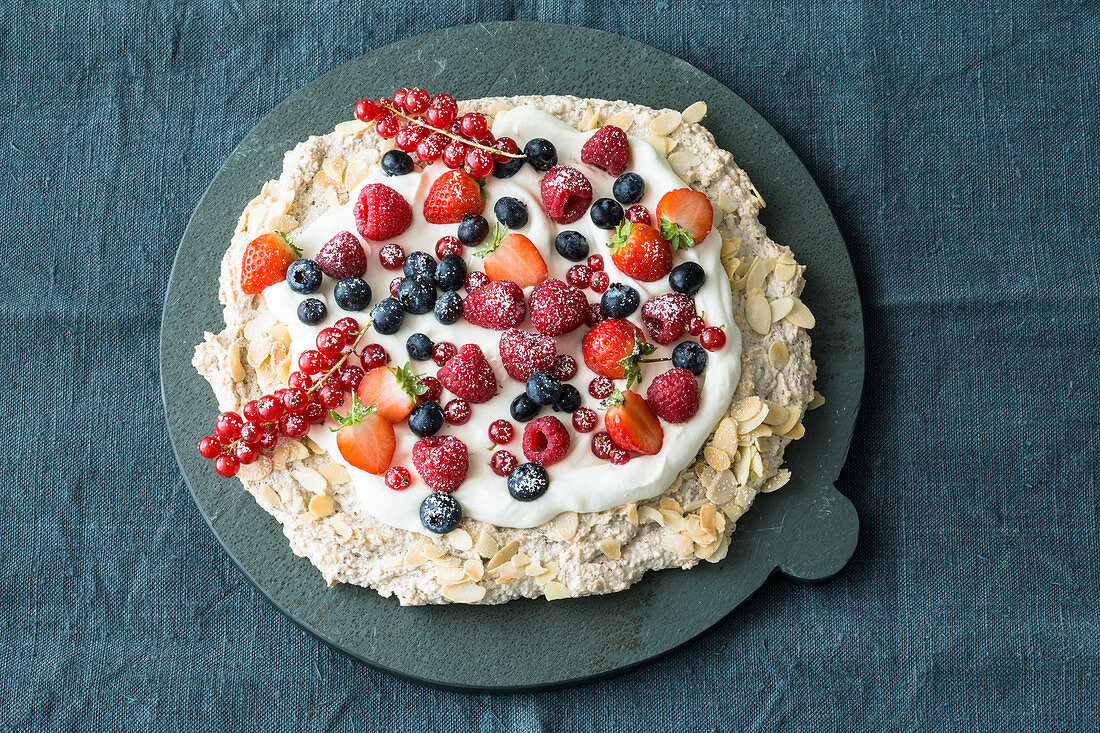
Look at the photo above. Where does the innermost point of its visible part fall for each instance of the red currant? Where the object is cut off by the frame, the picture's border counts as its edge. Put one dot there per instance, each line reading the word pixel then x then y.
pixel 245 453
pixel 600 281
pixel 388 127
pixel 479 163
pixel 295 424
pixel 366 110
pixel 441 117
pixel 226 465
pixel 445 101
pixel 475 280
pixel 506 145
pixel 270 408
pixel 250 433
pixel 501 432
pixel 399 97
pixel 347 326
pixel 312 362
pixel 639 214
pixel 331 341
pixel 585 420
pixel 619 457
pixel 594 315
pixel 601 388
pixel 314 412
pixel 268 438
pixel 455 154
pixel 209 447
pixel 487 140
pixel 595 262
pixel 249 410
pixel 473 125
pixel 712 338
pixel 430 148
pixel 394 284
pixel 696 325
pixel 416 101
pixel 409 138
pixel 398 478
pixel 300 379
pixel 373 356
pixel 602 445
pixel 349 376
pixel 448 245
pixel 457 411
pixel 564 367
pixel 295 399
pixel 432 389
pixel 502 462
pixel 392 256
pixel 228 426
pixel 579 276
pixel 330 396
pixel 443 351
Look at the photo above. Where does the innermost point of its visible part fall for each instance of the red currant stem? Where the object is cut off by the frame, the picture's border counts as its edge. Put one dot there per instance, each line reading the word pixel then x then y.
pixel 465 141
pixel 649 361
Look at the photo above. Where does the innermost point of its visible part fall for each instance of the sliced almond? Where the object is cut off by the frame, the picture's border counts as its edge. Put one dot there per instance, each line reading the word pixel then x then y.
pixel 800 315
pixel 682 161
pixel 258 350
pixel 233 362
pixel 287 451
pixel 322 505
pixel 506 573
pixel 311 480
pixel 556 591
pixel 342 529
pixel 648 513
pixel 503 555
pixel 716 458
pixel 785 271
pixel 589 120
pixel 622 120
pixel 258 469
pixel 449 574
pixel 334 473
pixel 721 550
pixel 796 432
pixel 757 312
pixel 673 520
pixel 780 308
pixel 793 416
pixel 665 122
pixel 779 480
pixel 659 143
pixel 460 539
pixel 778 356
pixel 533 568
pixel 549 574
pixel 694 113
pixel 752 423
pixel 742 467
pixel 678 544
pixel 723 488
pixel 757 469
pixel 777 414
pixel 632 513
pixel 667 502
pixel 707 513
pixel 433 551
pixel 566 525
pixel 464 592
pixel 351 127
pixel 816 401
pixel 520 559
pixel 354 174
pixel 758 273
pixel 747 409
pixel 611 548
pixel 486 546
pixel 726 202
pixel 475 569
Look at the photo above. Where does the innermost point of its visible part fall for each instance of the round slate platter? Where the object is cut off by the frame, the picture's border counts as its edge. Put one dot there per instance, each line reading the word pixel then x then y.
pixel 807 530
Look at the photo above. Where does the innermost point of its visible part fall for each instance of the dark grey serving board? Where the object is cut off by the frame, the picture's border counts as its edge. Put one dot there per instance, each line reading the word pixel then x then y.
pixel 807 530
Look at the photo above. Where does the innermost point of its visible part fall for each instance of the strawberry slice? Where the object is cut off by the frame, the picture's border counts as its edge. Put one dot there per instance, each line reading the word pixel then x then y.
pixel 632 424
pixel 265 261
pixel 608 150
pixel 513 257
pixel 393 392
pixel 685 216
pixel 614 348
pixel 453 195
pixel 366 439
pixel 641 252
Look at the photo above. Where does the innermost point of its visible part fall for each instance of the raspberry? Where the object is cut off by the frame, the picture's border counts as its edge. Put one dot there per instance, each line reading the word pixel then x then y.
pixel 457 412
pixel 585 420
pixel 441 461
pixel 566 194
pixel 468 375
pixel 674 395
pixel 475 280
pixel 545 440
pixel 503 462
pixel 501 432
pixel 398 478
pixel 600 281
pixel 608 150
pixel 602 445
pixel 342 256
pixel 579 276
pixel 557 308
pixel 523 353
pixel 432 389
pixel 392 256
pixel 666 317
pixel 639 214
pixel 448 245
pixel 381 212
pixel 564 367
pixel 595 315
pixel 498 304
pixel 442 352
pixel 601 388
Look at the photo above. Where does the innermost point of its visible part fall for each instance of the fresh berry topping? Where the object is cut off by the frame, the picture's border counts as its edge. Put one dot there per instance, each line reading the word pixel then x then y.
pixel 448 308
pixel 416 101
pixel 606 213
pixel 632 424
pixel 457 411
pixel 432 389
pixel 450 273
pixel 392 256
pixel 541 154
pixel 579 276
pixel 523 353
pixel 393 392
pixel 448 245
pixel 564 367
pixel 511 212
pixel 528 481
pixel 523 409
pixel 398 478
pixel 685 216
pixel 613 349
pixel 331 395
pixel 619 457
pixel 629 188
pixel 498 305
pixel 426 419
pixel 542 388
pixel 394 285
pixel 269 408
pixel 600 282
pixel 475 280
pixel 666 317
pixel 294 399
pixel 619 301
pixel 407 141
pixel 453 195
pixel 442 352
pixel 381 213
pixel 348 326
pixel 607 150
pixel 312 311
pixel 556 307
pixel 602 445
pixel 454 154
pixel 350 376
pixel 251 408
pixel 503 462
pixel 674 395
pixel 245 453
pixel 571 245
pixel 501 432
pixel 687 278
pixel 365 438
pixel 595 263
pixel 473 125
pixel 304 276
pixel 472 230
pixel 416 294
pixel 639 214
pixel 419 263
pixel 440 513
pixel 312 362
pixel 430 149
pixel 352 294
pixel 585 420
pixel 566 194
pixel 601 387
pixel 641 252
pixel 228 426
pixel 468 375
pixel 505 166
pixel 387 127
pixel 569 399
pixel 265 262
pixel 545 440
pixel 398 162
pixel 441 461
pixel 209 447
pixel 514 257
pixel 366 110
pixel 373 356
pixel 712 338
pixel 478 163
pixel 331 341
pixel 419 347
pixel 696 325
pixel 296 424
pixel 226 465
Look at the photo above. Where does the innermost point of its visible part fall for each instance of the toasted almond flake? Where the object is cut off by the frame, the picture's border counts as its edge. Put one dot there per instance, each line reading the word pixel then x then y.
pixel 659 143
pixel 632 513
pixel 682 161
pixel 415 556
pixel 475 569
pixel 778 481
pixel 464 592
pixel 757 312
pixel 762 431
pixel 785 271
pixel 723 488
pixel 268 495
pixel 532 568
pixel 448 575
pixel 589 120
pixel 287 451
pixel 694 505
pixel 694 113
pixel 758 273
pixel 287 494
pixel 341 528
pixel 726 202
pixel 611 548
pixel 757 465
pixel 356 171
pixel 520 559
pixel 733 511
pixel 704 551
pixel 816 401
pixel 756 195
pixel 506 573
pixel 721 550
pixel 742 467
pixel 778 356
pixel 707 475
pixel 322 179
pixel 800 315
pixel 351 127
pixel 673 520
pixel 730 267
pixel 665 122
pixel 793 416
pixel 258 350
pixel 648 513
pixel 667 502
pixel 717 459
pixel 446 561
pixel 555 591
pixel 796 432
pixel 460 539
pixel 258 469
pixel 334 473
pixel 433 551
pixel 309 443
pixel 725 435
pixel 672 144
pixel 747 409
pixel 678 544
pixel 486 546
pixel 322 505
pixel 752 423
pixel 503 555
pixel 719 522
pixel 566 525
pixel 311 480
pixel 551 572
pixel 777 414
pixel 707 512
pixel 500 106
pixel 233 361
pixel 622 120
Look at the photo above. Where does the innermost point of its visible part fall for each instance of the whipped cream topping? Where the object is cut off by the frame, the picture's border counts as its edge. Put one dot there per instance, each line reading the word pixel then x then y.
pixel 580 482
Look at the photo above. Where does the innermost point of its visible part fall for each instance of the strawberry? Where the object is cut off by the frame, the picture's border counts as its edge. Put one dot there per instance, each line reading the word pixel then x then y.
pixel 513 257
pixel 566 194
pixel 674 395
pixel 666 317
pixel 523 353
pixel 498 304
pixel 392 391
pixel 468 375
pixel 557 307
pixel 613 348
pixel 641 252
pixel 685 216
pixel 381 212
pixel 265 261
pixel 442 461
pixel 608 150
pixel 453 195
pixel 366 439
pixel 632 424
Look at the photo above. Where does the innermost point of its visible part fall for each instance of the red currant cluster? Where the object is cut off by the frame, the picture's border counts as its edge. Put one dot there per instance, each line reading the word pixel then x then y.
pixel 430 127
pixel 323 379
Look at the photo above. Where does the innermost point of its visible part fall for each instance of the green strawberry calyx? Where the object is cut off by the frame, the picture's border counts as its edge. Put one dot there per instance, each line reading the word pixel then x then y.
pixel 356 415
pixel 499 232
pixel 622 234
pixel 676 235
pixel 290 243
pixel 632 370
pixel 614 399
pixel 409 381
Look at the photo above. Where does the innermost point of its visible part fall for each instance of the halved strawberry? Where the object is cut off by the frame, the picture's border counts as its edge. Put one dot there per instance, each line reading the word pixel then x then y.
pixel 392 391
pixel 632 424
pixel 685 217
pixel 265 261
pixel 366 439
pixel 641 252
pixel 453 195
pixel 513 257
pixel 614 348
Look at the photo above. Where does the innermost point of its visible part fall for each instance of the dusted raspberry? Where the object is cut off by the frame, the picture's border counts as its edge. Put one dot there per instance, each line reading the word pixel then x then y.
pixel 381 212
pixel 566 194
pixel 342 256
pixel 545 440
pixel 674 395
pixel 498 304
pixel 557 308
pixel 564 367
pixel 523 353
pixel 608 150
pixel 468 375
pixel 666 317
pixel 441 461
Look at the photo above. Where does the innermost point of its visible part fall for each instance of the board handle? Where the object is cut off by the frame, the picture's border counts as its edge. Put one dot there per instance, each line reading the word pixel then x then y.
pixel 823 538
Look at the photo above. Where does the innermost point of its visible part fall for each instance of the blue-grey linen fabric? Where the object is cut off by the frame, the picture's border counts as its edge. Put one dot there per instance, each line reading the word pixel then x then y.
pixel 958 147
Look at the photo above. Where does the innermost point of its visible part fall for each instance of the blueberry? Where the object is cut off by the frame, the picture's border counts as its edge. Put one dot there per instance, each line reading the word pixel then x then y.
pixel 440 513
pixel 527 482
pixel 629 188
pixel 541 154
pixel 691 356
pixel 523 409
pixel 509 169
pixel 511 212
pixel 450 273
pixel 419 347
pixel 619 301
pixel 448 308
pixel 687 278
pixel 426 419
pixel 543 388
pixel 397 163
pixel 416 294
pixel 419 263
pixel 472 230
pixel 304 276
pixel 311 311
pixel 388 316
pixel 606 213
pixel 352 293
pixel 571 245
pixel 569 399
